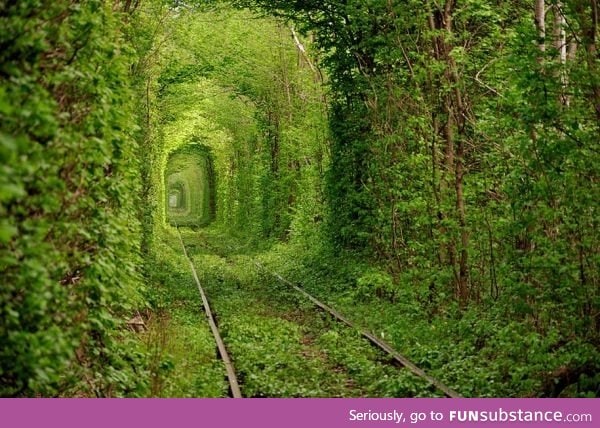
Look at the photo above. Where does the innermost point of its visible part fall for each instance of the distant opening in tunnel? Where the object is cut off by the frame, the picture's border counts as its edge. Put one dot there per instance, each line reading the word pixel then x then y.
pixel 190 186
pixel 177 196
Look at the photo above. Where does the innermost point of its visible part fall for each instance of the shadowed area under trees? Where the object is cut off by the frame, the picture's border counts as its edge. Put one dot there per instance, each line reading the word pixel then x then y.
pixel 430 169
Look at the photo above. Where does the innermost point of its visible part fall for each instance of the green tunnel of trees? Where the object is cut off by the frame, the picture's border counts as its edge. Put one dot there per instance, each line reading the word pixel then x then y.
pixel 438 158
pixel 190 187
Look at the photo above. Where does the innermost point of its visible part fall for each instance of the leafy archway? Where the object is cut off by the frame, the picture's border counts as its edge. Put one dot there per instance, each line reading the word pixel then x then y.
pixel 190 186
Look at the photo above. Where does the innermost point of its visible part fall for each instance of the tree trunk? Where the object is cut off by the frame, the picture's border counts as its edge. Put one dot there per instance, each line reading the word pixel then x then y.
pixel 593 57
pixel 560 44
pixel 540 23
pixel 455 111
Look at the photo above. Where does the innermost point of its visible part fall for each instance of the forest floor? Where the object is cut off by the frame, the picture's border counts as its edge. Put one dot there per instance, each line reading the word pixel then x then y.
pixel 280 343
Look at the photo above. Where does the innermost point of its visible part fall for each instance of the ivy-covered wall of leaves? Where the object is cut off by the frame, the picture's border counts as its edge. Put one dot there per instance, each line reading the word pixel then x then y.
pixel 69 230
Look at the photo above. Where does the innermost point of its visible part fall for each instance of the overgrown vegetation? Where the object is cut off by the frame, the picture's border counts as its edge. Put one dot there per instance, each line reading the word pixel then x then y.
pixel 68 198
pixel 465 164
pixel 280 345
pixel 430 169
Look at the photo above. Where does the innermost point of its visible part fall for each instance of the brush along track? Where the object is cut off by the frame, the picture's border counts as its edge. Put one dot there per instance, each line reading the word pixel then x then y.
pixel 368 335
pixel 379 344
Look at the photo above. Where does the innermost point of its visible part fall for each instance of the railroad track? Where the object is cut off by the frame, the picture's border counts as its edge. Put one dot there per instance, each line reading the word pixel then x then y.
pixel 234 387
pixel 372 339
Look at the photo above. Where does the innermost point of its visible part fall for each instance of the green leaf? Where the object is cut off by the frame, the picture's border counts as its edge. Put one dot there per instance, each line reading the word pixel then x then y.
pixel 7 231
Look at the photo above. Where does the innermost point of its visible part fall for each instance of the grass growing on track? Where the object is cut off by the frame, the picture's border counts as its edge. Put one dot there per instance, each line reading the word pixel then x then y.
pixel 183 353
pixel 281 346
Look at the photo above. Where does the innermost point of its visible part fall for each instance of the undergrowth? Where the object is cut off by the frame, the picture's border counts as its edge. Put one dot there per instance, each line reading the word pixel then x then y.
pixel 479 351
pixel 281 346
pixel 476 351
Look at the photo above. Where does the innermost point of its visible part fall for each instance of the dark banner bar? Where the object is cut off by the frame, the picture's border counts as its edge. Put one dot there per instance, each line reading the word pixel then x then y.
pixel 298 413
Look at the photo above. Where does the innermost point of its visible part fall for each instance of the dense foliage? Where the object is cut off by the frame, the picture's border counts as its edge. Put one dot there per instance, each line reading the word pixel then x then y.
pixel 190 187
pixel 465 158
pixel 68 195
pixel 431 168
pixel 233 84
